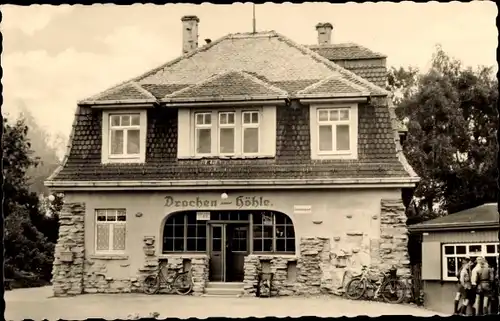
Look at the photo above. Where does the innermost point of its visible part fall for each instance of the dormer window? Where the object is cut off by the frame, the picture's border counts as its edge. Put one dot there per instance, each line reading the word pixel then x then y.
pixel 233 134
pixel 124 136
pixel 227 132
pixel 334 131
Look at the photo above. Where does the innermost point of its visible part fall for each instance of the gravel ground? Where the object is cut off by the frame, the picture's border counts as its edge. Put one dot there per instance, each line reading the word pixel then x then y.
pixel 37 304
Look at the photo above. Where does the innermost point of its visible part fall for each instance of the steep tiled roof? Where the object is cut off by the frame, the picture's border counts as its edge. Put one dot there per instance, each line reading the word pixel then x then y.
pixel 225 85
pixel 345 51
pixel 376 152
pixel 127 92
pixel 484 215
pixel 268 54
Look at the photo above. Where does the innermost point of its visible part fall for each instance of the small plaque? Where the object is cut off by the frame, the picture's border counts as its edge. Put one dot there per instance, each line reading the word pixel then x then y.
pixel 302 209
pixel 202 216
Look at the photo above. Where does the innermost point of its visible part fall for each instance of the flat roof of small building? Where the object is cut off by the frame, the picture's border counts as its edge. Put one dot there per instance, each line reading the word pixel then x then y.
pixel 484 216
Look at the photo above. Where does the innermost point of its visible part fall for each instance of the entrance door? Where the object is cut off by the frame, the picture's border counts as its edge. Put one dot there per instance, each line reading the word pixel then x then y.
pixel 236 250
pixel 217 252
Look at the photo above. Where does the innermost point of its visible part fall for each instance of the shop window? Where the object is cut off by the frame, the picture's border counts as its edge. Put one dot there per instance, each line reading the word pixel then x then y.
pixel 454 254
pixel 273 232
pixel 183 233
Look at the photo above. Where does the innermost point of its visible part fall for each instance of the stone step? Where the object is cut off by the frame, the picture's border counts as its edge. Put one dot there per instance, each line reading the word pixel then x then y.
pixel 224 291
pixel 225 285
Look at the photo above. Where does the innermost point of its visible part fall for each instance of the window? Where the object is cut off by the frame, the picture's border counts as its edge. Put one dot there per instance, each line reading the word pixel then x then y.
pixel 453 254
pixel 184 233
pixel 250 132
pixel 124 137
pixel 203 133
pixel 110 230
pixel 227 133
pixel 334 132
pixel 273 232
pixel 124 132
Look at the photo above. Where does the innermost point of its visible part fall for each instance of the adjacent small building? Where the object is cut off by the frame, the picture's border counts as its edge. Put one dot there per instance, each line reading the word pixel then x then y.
pixel 446 241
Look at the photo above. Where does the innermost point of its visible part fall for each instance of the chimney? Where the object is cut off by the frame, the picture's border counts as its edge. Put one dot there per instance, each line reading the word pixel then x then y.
pixel 324 33
pixel 189 33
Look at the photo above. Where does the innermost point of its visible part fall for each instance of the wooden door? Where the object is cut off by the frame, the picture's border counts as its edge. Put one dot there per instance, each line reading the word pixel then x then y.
pixel 217 253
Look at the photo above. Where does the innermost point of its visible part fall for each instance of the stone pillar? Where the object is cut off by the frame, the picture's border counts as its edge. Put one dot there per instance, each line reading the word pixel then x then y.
pixel 199 272
pixel 67 271
pixel 314 252
pixel 151 263
pixel 393 243
pixel 251 268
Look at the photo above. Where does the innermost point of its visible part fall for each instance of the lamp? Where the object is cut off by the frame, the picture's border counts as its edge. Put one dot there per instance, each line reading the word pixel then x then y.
pixel 224 196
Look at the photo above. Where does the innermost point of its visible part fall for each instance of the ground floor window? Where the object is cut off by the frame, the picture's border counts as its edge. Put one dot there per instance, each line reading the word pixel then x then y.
pixel 453 254
pixel 271 232
pixel 110 230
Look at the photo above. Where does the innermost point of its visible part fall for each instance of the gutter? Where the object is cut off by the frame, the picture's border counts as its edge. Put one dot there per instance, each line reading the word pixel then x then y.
pixel 234 184
pixel 454 227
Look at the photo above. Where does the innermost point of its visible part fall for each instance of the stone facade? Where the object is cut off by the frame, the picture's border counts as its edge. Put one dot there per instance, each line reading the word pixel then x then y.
pixel 98 280
pixel 198 263
pixel 68 267
pixel 324 265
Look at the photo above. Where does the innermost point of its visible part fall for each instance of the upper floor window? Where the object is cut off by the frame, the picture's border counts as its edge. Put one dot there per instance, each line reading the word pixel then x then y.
pixel 124 136
pixel 334 132
pixel 233 133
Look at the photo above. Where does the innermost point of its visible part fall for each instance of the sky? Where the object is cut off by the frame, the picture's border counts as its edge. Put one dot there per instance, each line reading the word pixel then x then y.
pixel 56 55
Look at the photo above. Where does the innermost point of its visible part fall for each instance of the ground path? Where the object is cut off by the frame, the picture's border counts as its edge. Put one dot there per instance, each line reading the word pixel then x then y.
pixel 37 304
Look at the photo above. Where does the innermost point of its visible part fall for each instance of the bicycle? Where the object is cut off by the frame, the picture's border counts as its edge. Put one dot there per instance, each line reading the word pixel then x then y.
pixel 180 282
pixel 387 287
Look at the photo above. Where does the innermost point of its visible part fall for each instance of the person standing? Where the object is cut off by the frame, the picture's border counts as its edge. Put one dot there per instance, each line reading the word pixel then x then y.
pixel 465 286
pixel 482 278
pixel 459 296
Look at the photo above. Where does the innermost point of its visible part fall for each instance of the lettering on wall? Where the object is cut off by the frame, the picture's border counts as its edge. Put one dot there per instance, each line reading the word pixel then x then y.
pixel 199 202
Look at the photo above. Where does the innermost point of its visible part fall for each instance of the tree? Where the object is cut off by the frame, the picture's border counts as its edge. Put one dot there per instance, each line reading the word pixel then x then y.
pixel 451 140
pixel 28 252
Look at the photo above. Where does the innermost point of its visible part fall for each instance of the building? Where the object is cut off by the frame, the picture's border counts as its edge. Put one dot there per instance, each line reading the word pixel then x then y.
pixel 251 153
pixel 448 239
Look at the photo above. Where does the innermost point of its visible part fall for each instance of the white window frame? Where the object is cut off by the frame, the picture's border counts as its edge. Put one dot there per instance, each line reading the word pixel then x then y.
pixel 203 126
pixel 106 155
pixel 238 132
pixel 110 225
pixel 221 126
pixel 250 125
pixel 315 124
pixel 444 257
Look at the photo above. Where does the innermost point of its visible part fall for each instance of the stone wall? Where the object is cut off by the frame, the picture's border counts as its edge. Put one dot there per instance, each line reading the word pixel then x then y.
pixel 276 264
pixel 97 278
pixel 68 267
pixel 198 264
pixel 325 265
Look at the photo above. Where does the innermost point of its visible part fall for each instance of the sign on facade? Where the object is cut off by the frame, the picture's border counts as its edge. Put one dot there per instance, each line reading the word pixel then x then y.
pixel 200 202
pixel 202 216
pixel 302 209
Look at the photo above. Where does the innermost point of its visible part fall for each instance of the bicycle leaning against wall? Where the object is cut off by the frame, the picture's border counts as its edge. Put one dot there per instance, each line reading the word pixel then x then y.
pixel 178 282
pixel 387 285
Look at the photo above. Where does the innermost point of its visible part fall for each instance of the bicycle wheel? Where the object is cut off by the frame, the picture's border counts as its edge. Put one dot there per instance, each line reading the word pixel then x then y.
pixel 355 289
pixel 151 284
pixel 182 284
pixel 393 291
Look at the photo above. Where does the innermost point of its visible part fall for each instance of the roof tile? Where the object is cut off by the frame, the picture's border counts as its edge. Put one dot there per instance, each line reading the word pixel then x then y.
pixel 345 51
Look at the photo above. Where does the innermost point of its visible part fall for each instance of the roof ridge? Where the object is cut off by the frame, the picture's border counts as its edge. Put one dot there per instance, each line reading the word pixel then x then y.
pixel 331 64
pixel 223 74
pixel 327 79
